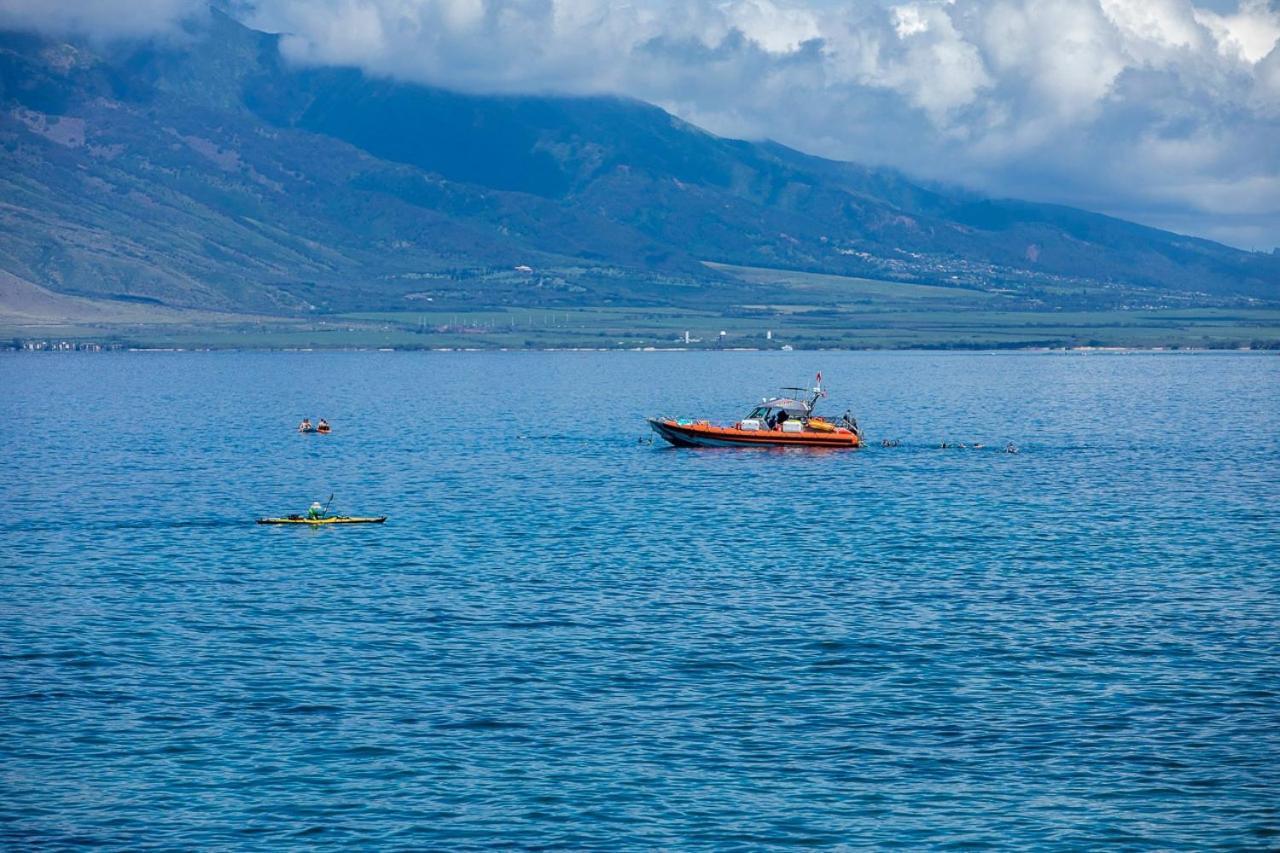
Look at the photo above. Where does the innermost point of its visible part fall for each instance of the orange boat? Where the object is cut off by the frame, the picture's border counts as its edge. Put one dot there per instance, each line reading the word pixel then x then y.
pixel 776 422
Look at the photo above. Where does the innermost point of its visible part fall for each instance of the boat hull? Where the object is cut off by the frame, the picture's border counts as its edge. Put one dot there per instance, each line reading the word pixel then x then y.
pixel 707 435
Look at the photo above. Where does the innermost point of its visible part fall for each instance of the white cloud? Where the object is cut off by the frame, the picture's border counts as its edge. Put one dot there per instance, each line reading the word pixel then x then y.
pixel 776 28
pixel 1148 27
pixel 937 69
pixel 1250 33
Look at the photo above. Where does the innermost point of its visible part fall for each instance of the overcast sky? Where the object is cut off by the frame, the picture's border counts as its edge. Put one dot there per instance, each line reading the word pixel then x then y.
pixel 1162 111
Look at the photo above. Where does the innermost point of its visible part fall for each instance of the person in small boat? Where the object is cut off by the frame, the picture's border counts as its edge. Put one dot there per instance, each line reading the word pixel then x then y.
pixel 305 426
pixel 315 510
pixel 323 426
pixel 782 418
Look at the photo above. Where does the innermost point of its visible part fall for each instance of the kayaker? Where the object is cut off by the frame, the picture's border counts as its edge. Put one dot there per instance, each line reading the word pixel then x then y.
pixel 323 426
pixel 315 510
pixel 305 426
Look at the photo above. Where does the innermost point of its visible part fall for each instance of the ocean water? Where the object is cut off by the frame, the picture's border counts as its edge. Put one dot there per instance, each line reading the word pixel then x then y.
pixel 566 636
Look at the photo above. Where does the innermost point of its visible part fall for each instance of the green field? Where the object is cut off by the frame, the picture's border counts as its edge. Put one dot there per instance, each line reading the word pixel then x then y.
pixel 610 328
pixel 865 292
pixel 805 311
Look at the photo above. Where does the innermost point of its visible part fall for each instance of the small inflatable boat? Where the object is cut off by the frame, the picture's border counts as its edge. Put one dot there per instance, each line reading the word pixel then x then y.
pixel 776 422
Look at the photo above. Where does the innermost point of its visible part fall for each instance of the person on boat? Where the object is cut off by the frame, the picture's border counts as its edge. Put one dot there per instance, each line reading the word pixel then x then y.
pixel 305 426
pixel 315 510
pixel 782 418
pixel 323 426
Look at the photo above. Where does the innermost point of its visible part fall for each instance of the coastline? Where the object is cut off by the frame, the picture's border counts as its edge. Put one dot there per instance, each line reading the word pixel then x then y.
pixel 958 349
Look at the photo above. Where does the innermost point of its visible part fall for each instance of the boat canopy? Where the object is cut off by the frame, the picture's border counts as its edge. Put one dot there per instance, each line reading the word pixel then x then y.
pixel 793 408
pixel 789 405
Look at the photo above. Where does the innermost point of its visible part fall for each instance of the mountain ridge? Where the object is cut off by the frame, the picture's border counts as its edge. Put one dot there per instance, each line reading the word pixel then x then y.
pixel 213 175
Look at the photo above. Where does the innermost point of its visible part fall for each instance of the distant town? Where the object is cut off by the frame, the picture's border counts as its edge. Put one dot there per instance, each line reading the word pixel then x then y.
pixel 17 344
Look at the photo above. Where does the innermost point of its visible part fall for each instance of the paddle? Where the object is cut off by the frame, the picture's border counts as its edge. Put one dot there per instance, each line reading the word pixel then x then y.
pixel 326 506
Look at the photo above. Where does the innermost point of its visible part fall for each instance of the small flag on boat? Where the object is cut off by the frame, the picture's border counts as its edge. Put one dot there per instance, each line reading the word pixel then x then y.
pixel 820 389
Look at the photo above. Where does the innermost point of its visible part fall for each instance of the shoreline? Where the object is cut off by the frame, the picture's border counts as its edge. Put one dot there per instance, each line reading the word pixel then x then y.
pixel 1080 350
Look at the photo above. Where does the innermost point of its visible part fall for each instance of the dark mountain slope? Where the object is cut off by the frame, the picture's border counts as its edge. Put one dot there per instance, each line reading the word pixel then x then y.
pixel 209 173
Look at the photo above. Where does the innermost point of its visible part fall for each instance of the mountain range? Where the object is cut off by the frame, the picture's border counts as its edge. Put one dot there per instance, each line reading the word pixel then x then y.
pixel 206 172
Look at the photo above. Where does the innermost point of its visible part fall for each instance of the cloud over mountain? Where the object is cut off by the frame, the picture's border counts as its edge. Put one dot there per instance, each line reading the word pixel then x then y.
pixel 1157 110
pixel 104 20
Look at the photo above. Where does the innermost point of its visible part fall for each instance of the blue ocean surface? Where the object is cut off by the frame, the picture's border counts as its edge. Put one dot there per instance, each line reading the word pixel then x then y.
pixel 569 636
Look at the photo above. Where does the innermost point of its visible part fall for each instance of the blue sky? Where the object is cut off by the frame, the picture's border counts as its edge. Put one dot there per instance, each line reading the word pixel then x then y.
pixel 1162 111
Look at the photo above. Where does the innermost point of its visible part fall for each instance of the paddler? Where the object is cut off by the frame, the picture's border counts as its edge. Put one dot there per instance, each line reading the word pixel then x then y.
pixel 315 511
pixel 305 426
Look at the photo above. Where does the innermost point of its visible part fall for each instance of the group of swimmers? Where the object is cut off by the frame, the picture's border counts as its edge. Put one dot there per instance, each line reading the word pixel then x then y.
pixel 305 426
pixel 946 445
pixel 1008 448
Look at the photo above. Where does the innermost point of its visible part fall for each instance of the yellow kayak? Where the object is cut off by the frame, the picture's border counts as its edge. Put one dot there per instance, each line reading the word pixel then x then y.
pixel 333 519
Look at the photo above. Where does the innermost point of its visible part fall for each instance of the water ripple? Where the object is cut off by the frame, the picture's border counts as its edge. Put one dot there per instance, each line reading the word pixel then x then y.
pixel 573 639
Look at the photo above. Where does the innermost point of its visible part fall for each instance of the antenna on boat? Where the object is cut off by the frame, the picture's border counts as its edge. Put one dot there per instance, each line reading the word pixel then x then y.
pixel 817 391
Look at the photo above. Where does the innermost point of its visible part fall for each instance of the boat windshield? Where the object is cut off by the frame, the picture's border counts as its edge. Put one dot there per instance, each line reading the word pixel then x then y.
pixel 765 412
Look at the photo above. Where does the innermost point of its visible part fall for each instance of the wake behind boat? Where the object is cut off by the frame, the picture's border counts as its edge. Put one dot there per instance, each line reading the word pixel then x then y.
pixel 776 422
